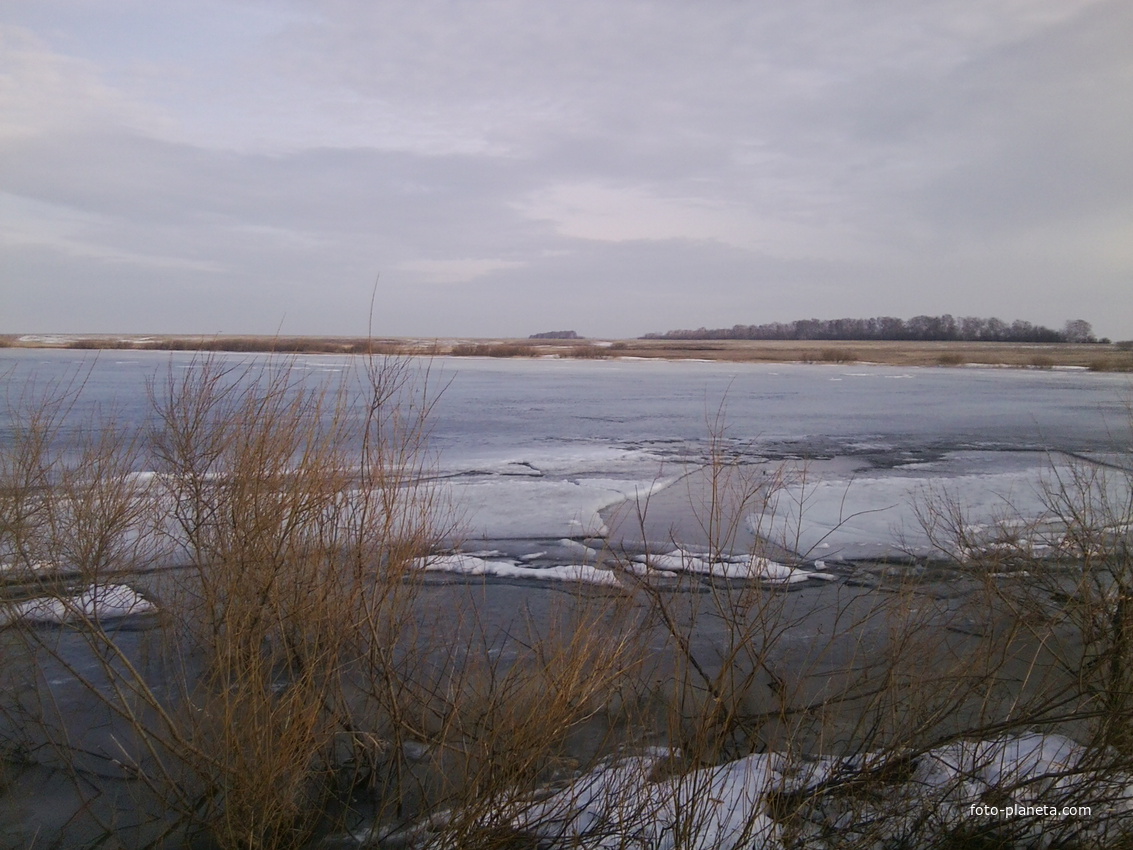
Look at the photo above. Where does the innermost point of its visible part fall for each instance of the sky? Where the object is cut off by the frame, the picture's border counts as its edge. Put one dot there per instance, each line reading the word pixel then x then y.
pixel 615 167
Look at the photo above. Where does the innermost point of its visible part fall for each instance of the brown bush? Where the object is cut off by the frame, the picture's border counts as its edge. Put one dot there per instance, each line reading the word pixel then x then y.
pixel 296 674
pixel 588 352
pixel 492 350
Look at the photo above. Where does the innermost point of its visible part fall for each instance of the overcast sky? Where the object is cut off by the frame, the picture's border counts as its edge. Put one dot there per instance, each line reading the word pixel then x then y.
pixel 609 166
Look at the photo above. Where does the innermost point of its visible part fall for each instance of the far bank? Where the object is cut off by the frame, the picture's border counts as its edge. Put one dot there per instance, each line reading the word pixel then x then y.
pixel 1096 357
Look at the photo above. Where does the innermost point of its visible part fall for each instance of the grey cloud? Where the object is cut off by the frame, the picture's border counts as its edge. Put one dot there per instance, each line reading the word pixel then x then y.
pixel 1049 124
pixel 135 179
pixel 886 158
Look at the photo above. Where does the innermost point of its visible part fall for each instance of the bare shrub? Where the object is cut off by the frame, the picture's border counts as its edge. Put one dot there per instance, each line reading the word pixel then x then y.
pixel 89 343
pixel 588 352
pixel 1118 361
pixel 296 510
pixel 298 681
pixel 1064 577
pixel 492 350
pixel 838 355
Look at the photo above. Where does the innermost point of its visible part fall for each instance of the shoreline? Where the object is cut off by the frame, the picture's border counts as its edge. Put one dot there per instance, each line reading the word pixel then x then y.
pixel 1094 357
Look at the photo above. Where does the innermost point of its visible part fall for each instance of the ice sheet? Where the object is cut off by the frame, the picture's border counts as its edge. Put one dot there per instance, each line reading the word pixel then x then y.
pixel 496 507
pixel 916 509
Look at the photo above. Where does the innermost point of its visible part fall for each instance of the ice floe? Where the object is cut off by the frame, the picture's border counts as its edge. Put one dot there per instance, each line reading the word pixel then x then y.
pixel 580 549
pixel 738 567
pixel 97 602
pixel 471 565
pixel 751 567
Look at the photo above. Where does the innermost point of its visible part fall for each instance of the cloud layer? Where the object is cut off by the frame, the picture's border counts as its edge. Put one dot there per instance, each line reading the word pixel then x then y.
pixel 510 167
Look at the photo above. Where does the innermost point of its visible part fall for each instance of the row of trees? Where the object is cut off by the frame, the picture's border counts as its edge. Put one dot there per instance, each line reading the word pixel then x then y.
pixel 918 328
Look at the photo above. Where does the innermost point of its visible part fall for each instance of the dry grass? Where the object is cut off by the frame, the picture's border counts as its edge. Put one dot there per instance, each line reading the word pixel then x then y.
pixel 831 354
pixel 1097 357
pixel 890 353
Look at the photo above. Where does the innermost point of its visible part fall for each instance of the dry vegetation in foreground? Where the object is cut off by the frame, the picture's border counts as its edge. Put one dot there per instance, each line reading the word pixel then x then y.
pixel 1098 357
pixel 303 687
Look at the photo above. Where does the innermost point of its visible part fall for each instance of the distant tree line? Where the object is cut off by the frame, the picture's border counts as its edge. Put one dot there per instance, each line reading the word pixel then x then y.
pixel 888 328
pixel 555 335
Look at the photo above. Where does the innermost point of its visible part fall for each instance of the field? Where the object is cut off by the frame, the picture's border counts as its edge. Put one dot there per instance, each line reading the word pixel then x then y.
pixel 1116 357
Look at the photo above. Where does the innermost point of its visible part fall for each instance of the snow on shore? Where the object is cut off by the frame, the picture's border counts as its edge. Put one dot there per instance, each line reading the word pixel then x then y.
pixel 1031 784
